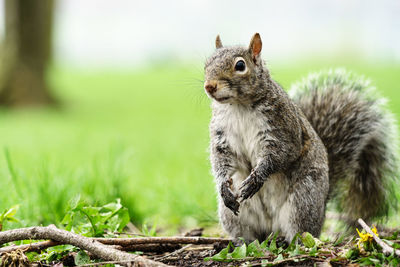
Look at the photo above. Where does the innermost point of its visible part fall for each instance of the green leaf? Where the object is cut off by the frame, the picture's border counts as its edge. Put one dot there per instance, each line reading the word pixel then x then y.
pixel 272 247
pixel 339 240
pixel 68 221
pixel 313 252
pixel 114 206
pixel 394 262
pixel 395 245
pixel 221 256
pixel 279 258
pixel 124 219
pixel 81 258
pixel 264 244
pixel 12 219
pixel 293 243
pixel 52 256
pixel 32 256
pixel 352 253
pixel 118 220
pixel 62 248
pixel 307 239
pixel 11 212
pixel 239 252
pixel 254 249
pixel 394 235
pixel 74 202
pixel 296 251
pixel 93 212
pixel 95 221
pixel 8 215
pixel 149 232
pixel 367 261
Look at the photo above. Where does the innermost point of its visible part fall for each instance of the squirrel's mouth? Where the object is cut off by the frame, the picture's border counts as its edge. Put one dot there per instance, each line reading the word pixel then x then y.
pixel 222 99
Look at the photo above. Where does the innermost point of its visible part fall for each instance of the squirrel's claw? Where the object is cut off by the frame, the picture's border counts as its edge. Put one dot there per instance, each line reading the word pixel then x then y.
pixel 249 187
pixel 230 200
pixel 235 207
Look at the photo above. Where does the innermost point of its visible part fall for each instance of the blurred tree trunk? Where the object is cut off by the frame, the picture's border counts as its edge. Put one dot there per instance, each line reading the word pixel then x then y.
pixel 26 52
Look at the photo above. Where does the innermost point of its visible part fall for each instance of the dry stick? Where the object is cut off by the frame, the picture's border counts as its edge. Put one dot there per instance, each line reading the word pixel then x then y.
pixel 157 248
pixel 173 253
pixel 128 244
pixel 102 263
pixel 37 246
pixel 162 240
pixel 96 248
pixel 386 249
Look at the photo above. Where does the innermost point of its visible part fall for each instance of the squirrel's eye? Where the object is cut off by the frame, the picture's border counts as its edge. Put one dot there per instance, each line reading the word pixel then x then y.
pixel 240 66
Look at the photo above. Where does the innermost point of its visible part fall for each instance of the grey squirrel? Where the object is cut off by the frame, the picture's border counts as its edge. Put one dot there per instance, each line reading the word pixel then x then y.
pixel 277 160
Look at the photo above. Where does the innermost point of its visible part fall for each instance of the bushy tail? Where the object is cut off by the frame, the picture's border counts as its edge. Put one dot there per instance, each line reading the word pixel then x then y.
pixel 360 134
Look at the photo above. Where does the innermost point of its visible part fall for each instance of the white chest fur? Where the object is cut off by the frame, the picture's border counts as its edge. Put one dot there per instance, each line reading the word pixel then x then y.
pixel 242 127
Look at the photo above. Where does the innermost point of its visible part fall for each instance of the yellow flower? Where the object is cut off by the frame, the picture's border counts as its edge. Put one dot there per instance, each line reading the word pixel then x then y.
pixel 366 237
pixel 375 231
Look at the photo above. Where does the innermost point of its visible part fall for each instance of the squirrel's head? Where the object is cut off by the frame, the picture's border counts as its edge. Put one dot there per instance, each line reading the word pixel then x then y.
pixel 233 73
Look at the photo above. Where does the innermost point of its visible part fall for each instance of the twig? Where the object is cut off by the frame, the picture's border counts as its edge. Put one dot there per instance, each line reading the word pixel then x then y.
pixel 37 246
pixel 173 253
pixel 103 263
pixel 162 240
pixel 386 249
pixel 96 248
pixel 145 244
pixel 158 248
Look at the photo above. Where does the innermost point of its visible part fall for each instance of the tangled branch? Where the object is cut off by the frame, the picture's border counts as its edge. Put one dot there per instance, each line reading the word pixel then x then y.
pixel 98 249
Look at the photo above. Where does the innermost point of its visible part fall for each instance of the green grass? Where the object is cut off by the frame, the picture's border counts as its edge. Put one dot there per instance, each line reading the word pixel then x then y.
pixel 141 136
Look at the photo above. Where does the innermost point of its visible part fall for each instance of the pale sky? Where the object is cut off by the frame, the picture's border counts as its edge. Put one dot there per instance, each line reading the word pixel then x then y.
pixel 130 33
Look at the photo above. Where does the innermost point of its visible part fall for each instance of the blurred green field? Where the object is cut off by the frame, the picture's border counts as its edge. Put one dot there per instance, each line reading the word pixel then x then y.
pixel 139 135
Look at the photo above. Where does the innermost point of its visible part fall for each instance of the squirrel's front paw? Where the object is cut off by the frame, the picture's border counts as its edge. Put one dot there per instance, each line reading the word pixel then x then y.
pixel 249 187
pixel 230 200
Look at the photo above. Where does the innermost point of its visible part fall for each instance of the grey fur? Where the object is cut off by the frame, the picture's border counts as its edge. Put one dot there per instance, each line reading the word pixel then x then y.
pixel 270 166
pixel 360 135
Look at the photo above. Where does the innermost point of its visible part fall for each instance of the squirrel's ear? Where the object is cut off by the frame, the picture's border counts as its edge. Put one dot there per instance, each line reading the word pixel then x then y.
pixel 218 43
pixel 255 46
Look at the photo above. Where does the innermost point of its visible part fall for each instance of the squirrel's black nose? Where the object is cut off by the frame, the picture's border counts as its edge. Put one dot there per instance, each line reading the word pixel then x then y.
pixel 210 86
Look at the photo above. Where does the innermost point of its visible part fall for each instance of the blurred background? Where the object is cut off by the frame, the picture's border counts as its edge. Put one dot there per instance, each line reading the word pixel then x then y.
pixel 104 99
